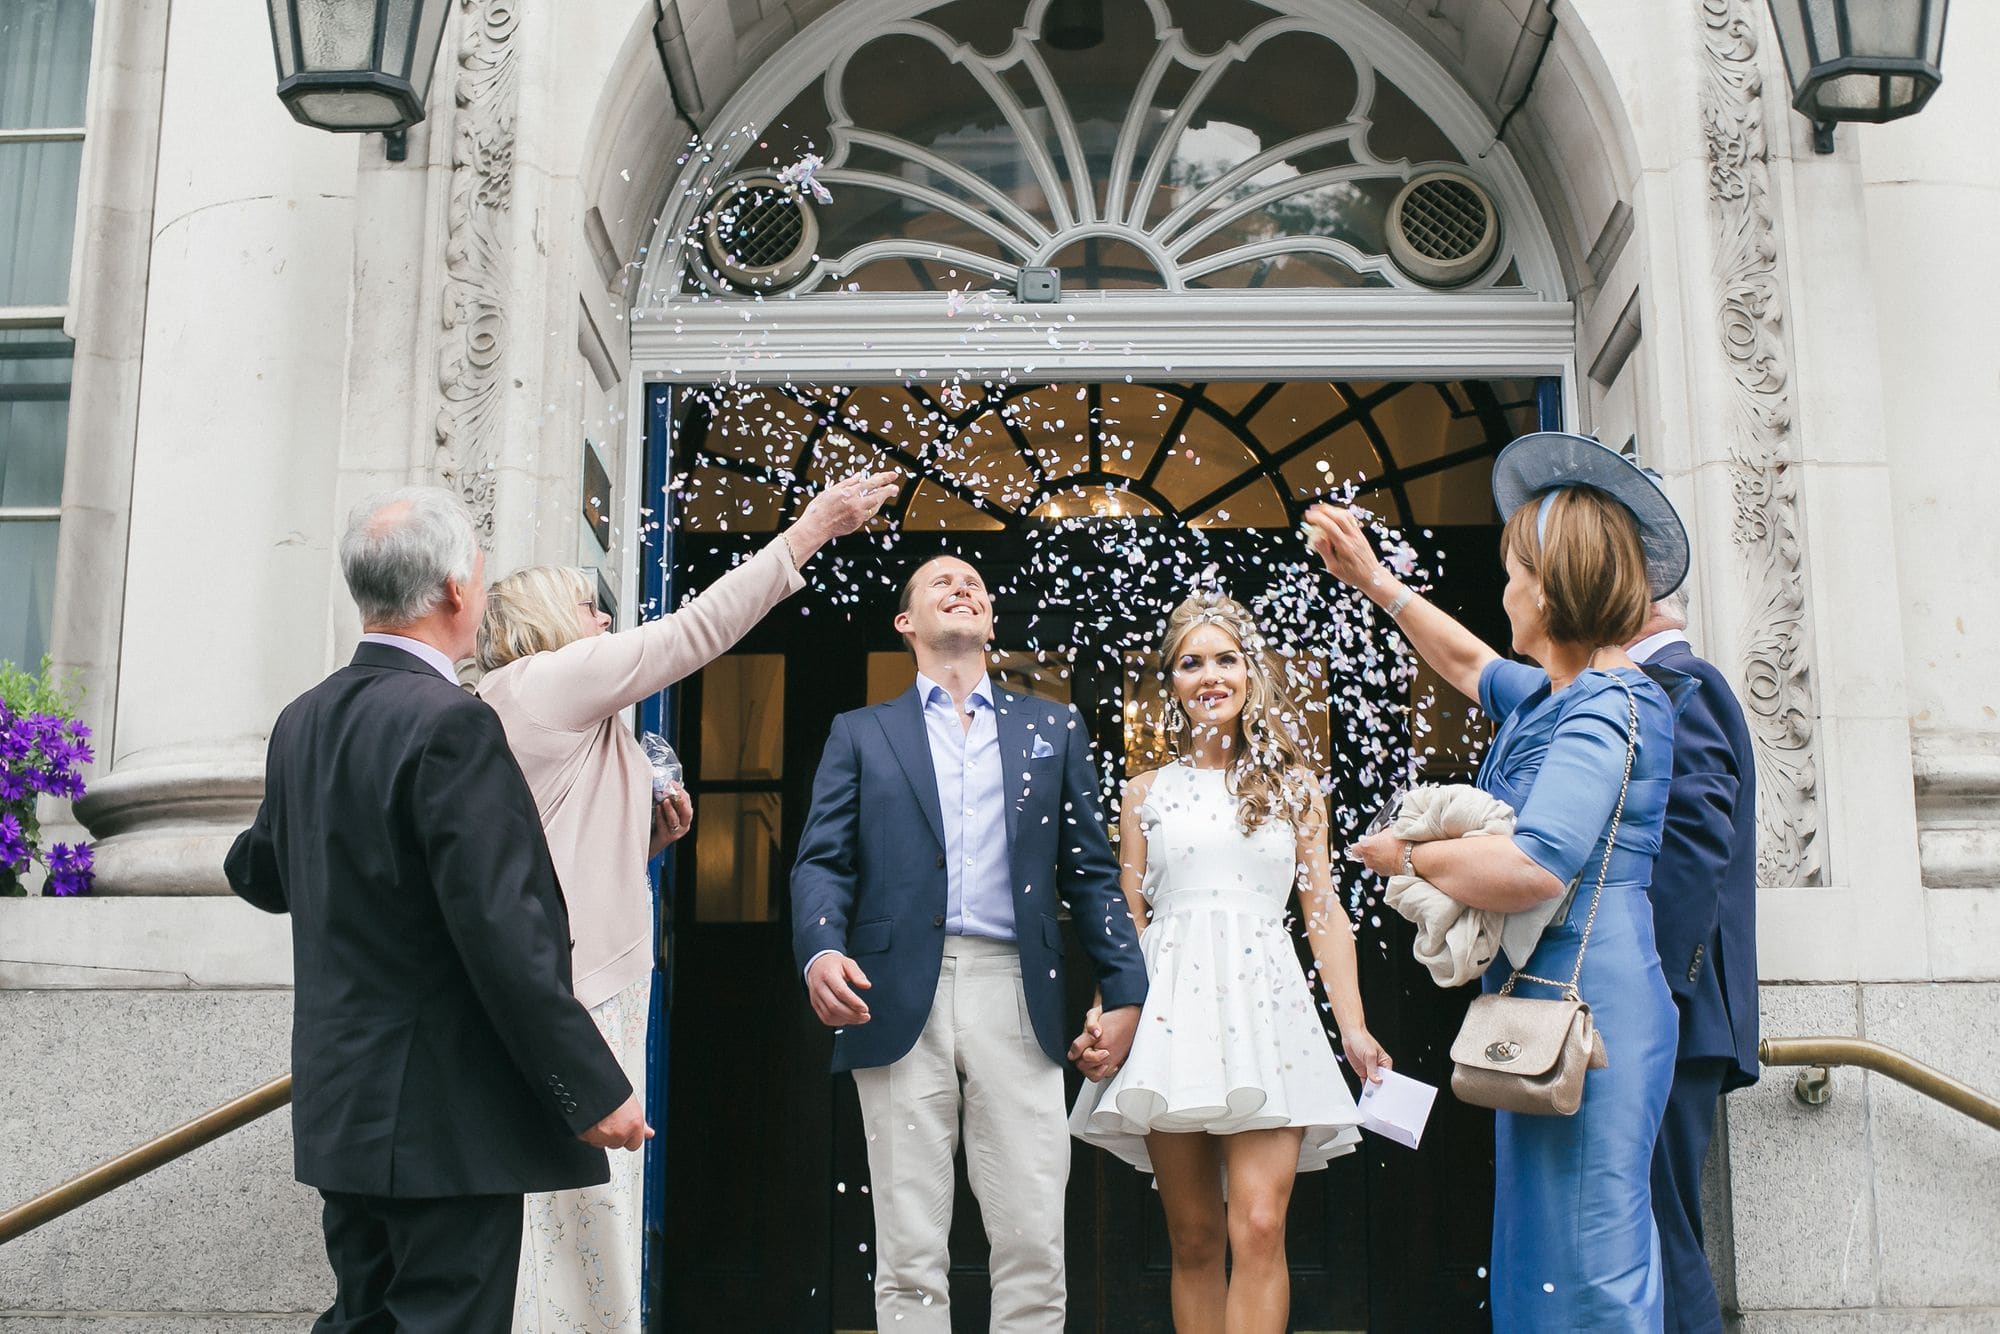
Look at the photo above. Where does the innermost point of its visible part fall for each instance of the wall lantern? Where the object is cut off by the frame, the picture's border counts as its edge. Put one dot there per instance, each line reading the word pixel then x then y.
pixel 1865 60
pixel 357 66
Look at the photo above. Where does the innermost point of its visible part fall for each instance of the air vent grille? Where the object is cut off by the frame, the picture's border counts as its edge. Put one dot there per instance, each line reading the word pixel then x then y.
pixel 760 234
pixel 1443 229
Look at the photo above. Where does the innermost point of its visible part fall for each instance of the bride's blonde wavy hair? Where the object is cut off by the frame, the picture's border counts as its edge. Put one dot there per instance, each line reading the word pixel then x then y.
pixel 1272 774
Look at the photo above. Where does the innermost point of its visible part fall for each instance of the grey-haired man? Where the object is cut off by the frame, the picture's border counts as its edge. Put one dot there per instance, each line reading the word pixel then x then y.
pixel 441 1066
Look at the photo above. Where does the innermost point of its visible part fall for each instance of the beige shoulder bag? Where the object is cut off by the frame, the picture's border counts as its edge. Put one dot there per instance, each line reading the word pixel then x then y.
pixel 1520 1054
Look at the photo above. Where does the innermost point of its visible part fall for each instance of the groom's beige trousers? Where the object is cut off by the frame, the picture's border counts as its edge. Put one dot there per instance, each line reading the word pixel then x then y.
pixel 977 1057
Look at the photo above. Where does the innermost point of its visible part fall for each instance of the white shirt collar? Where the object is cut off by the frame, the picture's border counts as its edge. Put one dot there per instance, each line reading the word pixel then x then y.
pixel 1644 650
pixel 982 693
pixel 417 648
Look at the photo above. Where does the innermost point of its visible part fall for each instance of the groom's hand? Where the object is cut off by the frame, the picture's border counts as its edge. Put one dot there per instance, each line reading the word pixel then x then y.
pixel 1085 1054
pixel 830 985
pixel 1105 1042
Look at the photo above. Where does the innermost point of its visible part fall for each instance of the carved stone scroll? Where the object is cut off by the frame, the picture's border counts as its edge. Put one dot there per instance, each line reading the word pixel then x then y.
pixel 472 364
pixel 1776 674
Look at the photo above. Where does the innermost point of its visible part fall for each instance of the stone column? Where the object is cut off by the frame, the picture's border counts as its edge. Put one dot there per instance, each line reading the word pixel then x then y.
pixel 237 434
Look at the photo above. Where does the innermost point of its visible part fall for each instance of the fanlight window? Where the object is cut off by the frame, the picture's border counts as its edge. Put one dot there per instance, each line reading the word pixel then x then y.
pixel 1200 144
pixel 1014 457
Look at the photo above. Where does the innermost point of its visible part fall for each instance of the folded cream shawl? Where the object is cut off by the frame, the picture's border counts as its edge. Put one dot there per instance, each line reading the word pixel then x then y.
pixel 1454 942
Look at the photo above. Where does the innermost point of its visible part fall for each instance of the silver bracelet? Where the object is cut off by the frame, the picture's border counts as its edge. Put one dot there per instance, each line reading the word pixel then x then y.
pixel 1402 600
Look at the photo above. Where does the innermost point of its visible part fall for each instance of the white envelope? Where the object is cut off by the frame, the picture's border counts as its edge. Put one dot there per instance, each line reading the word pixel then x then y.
pixel 1397 1108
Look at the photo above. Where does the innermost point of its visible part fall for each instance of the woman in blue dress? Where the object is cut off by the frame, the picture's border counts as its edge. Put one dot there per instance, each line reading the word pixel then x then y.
pixel 1590 542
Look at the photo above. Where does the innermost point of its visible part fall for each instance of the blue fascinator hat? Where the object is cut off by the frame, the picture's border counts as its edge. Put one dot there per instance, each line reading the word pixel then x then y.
pixel 1536 466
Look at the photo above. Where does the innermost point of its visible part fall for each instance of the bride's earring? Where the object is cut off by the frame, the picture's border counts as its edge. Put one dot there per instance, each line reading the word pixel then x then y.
pixel 1177 725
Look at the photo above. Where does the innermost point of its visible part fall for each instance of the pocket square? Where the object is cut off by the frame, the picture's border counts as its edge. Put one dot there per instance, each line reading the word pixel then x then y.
pixel 1042 749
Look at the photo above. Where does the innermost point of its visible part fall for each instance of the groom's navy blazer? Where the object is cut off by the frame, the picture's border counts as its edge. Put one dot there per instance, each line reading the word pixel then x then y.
pixel 870 878
pixel 1704 888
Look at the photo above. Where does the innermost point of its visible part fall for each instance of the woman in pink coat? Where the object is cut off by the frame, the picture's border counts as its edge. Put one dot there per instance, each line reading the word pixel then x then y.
pixel 559 677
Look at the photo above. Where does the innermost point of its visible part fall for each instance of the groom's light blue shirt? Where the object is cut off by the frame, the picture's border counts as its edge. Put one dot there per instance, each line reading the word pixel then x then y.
pixel 979 891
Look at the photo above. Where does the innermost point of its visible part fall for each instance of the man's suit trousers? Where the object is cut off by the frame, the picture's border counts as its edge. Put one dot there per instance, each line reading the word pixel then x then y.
pixel 978 1059
pixel 1692 1306
pixel 416 1266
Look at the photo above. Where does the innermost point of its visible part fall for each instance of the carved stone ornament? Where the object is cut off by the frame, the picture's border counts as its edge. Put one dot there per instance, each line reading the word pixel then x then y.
pixel 472 363
pixel 1776 675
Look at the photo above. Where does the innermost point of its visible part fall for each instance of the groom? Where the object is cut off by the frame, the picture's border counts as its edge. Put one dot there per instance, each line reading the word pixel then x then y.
pixel 947 827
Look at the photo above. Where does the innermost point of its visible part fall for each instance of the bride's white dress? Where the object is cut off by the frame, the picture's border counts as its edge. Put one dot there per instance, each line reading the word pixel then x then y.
pixel 1230 1037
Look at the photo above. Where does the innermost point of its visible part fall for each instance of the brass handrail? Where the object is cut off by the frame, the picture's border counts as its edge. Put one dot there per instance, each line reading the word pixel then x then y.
pixel 157 1152
pixel 1818 1054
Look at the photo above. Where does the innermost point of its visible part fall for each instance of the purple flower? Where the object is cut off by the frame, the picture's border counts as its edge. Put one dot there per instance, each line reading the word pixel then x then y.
pixel 60 753
pixel 13 784
pixel 16 740
pixel 64 783
pixel 13 843
pixel 69 870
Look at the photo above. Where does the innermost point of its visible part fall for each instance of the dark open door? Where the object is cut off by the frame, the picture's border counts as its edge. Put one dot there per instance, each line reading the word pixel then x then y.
pixel 764 1217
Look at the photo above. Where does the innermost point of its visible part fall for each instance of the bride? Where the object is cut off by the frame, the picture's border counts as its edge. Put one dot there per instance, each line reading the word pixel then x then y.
pixel 1231 1087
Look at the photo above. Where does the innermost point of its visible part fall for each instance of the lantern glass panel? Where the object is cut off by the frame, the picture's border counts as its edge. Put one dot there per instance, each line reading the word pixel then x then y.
pixel 337 34
pixel 1822 18
pixel 350 109
pixel 431 15
pixel 282 36
pixel 1838 98
pixel 1893 30
pixel 398 26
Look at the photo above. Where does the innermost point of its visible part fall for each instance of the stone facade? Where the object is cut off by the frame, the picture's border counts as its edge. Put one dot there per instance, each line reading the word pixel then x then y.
pixel 271 323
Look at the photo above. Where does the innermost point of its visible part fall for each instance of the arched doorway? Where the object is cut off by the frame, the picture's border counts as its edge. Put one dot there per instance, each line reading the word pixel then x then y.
pixel 1234 338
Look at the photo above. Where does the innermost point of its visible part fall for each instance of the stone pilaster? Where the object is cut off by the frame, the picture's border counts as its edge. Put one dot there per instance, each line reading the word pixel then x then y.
pixel 235 440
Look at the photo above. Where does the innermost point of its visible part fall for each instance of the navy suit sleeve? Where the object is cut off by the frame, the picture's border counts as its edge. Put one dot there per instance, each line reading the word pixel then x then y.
pixel 1088 873
pixel 488 864
pixel 1696 843
pixel 252 865
pixel 823 877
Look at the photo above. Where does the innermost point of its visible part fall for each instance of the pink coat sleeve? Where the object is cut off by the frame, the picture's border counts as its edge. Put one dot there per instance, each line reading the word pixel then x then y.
pixel 581 684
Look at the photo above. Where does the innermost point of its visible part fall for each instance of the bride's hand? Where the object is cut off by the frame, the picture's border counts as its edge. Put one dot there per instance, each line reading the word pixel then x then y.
pixel 1085 1053
pixel 1337 539
pixel 1364 1054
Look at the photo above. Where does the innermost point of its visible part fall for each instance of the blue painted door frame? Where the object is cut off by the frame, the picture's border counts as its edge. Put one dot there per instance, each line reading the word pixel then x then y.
pixel 656 595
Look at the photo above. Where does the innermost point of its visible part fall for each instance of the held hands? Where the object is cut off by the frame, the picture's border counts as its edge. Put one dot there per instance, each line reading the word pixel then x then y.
pixel 830 986
pixel 672 819
pixel 845 507
pixel 1336 537
pixel 1105 1042
pixel 1364 1054
pixel 625 1128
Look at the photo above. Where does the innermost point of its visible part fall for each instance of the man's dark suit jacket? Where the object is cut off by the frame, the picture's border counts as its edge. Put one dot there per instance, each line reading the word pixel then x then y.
pixel 436 1046
pixel 870 877
pixel 1704 887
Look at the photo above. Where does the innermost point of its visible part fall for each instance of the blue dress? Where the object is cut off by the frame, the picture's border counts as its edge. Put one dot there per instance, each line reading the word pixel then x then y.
pixel 1574 1244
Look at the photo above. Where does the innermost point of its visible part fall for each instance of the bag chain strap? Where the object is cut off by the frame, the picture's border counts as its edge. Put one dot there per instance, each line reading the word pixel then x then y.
pixel 1603 872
